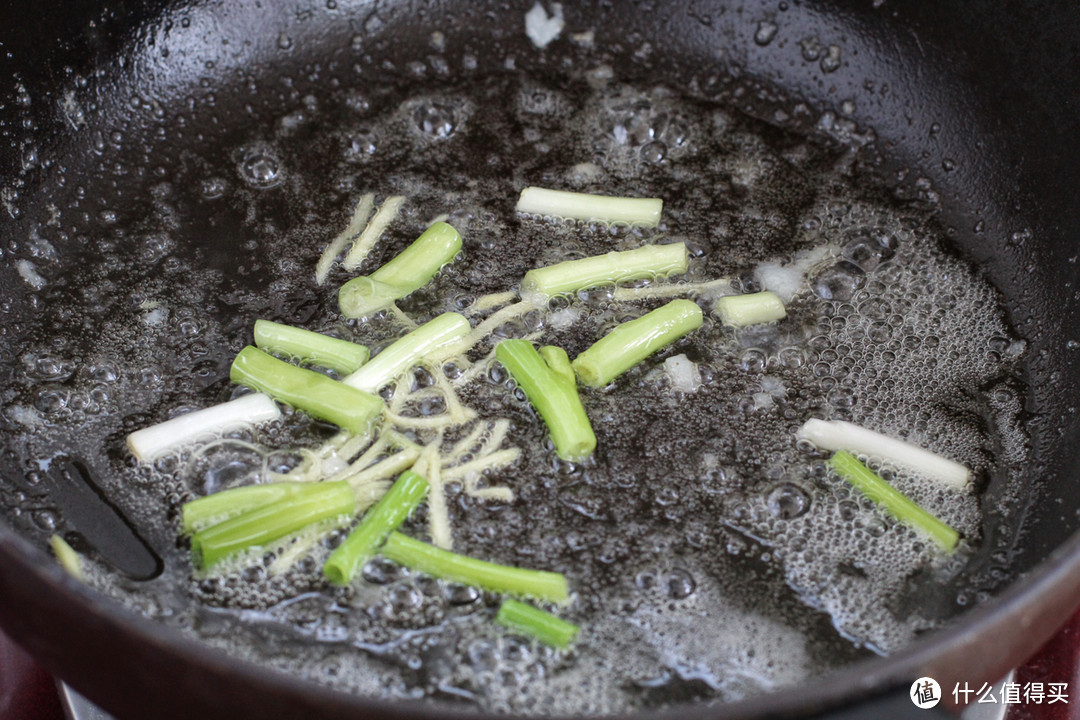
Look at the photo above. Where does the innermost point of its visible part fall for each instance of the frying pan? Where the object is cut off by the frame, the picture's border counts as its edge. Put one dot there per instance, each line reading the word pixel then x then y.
pixel 971 103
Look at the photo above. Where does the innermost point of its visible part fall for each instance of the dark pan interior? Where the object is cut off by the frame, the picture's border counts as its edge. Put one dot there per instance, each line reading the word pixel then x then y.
pixel 968 103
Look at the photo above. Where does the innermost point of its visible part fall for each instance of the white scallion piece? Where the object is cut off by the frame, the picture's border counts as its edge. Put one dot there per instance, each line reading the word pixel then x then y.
pixel 836 435
pixel 154 441
pixel 750 309
pixel 583 206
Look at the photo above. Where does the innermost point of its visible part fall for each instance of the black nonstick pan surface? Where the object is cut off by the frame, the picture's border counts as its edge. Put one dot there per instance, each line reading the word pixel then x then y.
pixel 967 107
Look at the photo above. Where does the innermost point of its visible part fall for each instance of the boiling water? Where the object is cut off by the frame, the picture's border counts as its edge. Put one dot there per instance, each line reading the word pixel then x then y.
pixel 711 557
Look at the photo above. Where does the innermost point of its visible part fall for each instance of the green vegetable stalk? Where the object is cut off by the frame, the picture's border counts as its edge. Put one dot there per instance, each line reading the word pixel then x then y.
pixel 347 407
pixel 310 347
pixel 892 500
pixel 633 341
pixel 548 381
pixel 543 626
pixel 398 503
pixel 750 309
pixel 265 524
pixel 412 269
pixel 211 509
pixel 428 341
pixel 651 261
pixel 479 573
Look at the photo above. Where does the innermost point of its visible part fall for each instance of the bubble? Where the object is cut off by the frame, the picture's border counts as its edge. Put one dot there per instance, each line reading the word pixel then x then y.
pixel 865 251
pixel 654 152
pixel 222 465
pixel 631 129
pixel 404 598
pixel 432 406
pixel 497 374
pixel 667 496
pixel 483 654
pixel 879 332
pixel 461 594
pixel 435 119
pixel 753 360
pixel 792 357
pixel 679 584
pixel 811 49
pixel 48 366
pixel 360 145
pixel 46 520
pixel 379 571
pixel 261 169
pixel 51 401
pixel 788 501
pixel 839 282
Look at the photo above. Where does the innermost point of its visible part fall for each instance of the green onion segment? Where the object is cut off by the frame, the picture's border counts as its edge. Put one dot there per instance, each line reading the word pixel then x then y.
pixel 479 573
pixel 584 206
pixel 841 435
pixel 67 557
pixel 409 271
pixel 541 625
pixel 396 505
pixel 633 341
pixel 264 524
pixel 152 442
pixel 426 342
pixel 309 347
pixel 548 381
pixel 220 506
pixel 750 309
pixel 651 261
pixel 322 397
pixel 867 482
